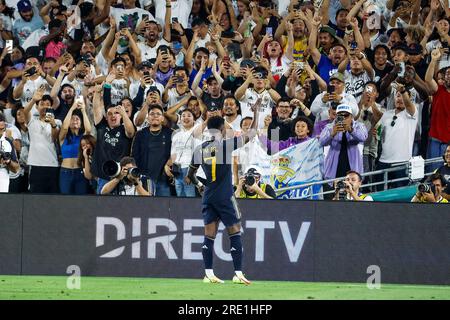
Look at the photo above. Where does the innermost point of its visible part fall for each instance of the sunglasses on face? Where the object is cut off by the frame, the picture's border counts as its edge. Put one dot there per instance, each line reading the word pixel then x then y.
pixel 393 121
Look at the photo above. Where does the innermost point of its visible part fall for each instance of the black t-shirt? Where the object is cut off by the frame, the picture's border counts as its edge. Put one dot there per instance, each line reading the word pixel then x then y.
pixel 211 102
pixel 62 110
pixel 112 144
pixel 151 150
pixel 283 125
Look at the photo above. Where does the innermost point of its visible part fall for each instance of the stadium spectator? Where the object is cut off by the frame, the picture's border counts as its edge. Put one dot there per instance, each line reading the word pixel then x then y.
pixel 181 154
pixel 113 138
pixel 127 183
pixel 75 125
pixel 8 156
pixel 369 114
pixel 151 149
pixel 343 136
pixel 256 190
pixel 440 109
pixel 334 96
pixel 28 21
pixel 43 131
pixel 397 134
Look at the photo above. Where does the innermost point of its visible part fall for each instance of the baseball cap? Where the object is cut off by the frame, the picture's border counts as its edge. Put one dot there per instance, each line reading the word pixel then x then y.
pixel 344 108
pixel 338 76
pixel 415 49
pixel 329 30
pixel 401 46
pixel 247 63
pixel 24 5
pixel 254 170
pixel 145 63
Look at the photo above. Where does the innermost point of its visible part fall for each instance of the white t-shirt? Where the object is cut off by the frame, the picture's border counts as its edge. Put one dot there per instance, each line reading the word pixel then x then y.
pixel 179 9
pixel 235 124
pixel 119 90
pixel 174 97
pixel 397 140
pixel 354 84
pixel 42 147
pixel 320 109
pixel 279 70
pixel 183 146
pixel 30 88
pixel 132 17
pixel 148 52
pixel 134 88
pixel 249 99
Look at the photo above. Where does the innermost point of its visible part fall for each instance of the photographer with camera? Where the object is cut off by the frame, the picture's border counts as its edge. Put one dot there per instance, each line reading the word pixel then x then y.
pixel 8 158
pixel 431 190
pixel 348 189
pixel 126 178
pixel 251 187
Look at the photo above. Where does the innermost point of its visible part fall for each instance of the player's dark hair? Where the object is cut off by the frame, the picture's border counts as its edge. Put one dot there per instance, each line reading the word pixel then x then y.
pixel 216 122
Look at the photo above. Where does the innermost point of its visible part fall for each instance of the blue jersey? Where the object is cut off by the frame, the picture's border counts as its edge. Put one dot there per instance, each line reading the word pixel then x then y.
pixel 214 157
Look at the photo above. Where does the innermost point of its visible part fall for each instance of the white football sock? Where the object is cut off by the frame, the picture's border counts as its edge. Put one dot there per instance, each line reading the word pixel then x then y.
pixel 209 273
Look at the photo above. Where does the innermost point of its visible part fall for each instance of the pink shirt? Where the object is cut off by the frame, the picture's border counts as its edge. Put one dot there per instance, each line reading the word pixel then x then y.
pixel 54 49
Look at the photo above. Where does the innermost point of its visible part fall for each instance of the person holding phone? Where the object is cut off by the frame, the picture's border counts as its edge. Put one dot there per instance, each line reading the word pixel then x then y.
pixel 43 132
pixel 75 125
pixel 331 98
pixel 32 78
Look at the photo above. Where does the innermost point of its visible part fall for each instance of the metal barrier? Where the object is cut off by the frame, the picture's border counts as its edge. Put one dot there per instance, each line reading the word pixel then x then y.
pixel 397 167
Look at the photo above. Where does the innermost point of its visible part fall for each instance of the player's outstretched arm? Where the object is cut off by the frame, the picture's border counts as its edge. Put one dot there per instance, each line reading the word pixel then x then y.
pixel 192 176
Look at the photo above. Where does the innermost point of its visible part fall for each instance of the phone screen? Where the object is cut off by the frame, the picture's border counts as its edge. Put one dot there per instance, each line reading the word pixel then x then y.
pixel 330 88
pixel 269 31
pixel 9 46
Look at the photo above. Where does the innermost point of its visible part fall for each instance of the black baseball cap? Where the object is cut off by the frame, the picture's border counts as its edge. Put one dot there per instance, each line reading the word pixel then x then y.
pixel 145 63
pixel 415 49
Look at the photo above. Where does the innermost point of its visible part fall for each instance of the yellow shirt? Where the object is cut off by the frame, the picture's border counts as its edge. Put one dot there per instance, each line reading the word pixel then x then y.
pixel 299 53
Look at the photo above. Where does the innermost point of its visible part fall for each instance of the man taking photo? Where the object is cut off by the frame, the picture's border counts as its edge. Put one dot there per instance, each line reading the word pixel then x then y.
pixel 431 191
pixel 348 189
pixel 251 187
pixel 128 182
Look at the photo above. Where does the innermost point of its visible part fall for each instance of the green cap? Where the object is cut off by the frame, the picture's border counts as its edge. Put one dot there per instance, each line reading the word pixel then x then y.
pixel 338 76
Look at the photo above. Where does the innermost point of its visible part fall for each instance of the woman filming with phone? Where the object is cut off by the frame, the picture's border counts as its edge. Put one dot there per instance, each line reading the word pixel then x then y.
pixel 75 125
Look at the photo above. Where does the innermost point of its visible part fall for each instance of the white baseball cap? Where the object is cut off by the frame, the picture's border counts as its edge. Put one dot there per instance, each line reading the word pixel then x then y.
pixel 344 108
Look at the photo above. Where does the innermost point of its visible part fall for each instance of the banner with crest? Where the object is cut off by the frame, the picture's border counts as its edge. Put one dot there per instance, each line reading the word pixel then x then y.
pixel 290 167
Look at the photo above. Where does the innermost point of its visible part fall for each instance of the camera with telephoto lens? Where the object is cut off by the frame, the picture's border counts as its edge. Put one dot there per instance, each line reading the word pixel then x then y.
pixel 111 168
pixel 426 188
pixel 135 172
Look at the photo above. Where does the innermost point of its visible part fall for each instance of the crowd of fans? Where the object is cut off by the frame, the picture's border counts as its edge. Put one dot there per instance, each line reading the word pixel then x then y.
pixel 84 82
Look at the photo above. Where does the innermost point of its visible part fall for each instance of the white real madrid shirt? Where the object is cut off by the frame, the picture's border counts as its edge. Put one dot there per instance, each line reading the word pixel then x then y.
pixel 249 99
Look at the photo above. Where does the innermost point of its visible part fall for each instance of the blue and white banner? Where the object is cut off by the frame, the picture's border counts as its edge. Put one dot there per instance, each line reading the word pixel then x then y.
pixel 290 167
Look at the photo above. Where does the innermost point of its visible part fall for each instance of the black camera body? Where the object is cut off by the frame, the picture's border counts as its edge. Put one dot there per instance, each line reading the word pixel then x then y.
pixel 341 190
pixel 426 188
pixel 5 155
pixel 249 179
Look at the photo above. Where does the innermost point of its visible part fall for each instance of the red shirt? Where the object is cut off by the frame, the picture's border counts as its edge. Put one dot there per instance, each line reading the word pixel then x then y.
pixel 440 115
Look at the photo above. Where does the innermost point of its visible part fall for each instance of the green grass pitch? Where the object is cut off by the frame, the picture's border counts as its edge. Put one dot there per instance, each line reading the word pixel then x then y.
pixel 94 288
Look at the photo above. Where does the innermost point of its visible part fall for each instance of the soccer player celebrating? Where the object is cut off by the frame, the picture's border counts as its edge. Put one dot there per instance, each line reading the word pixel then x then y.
pixel 219 204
